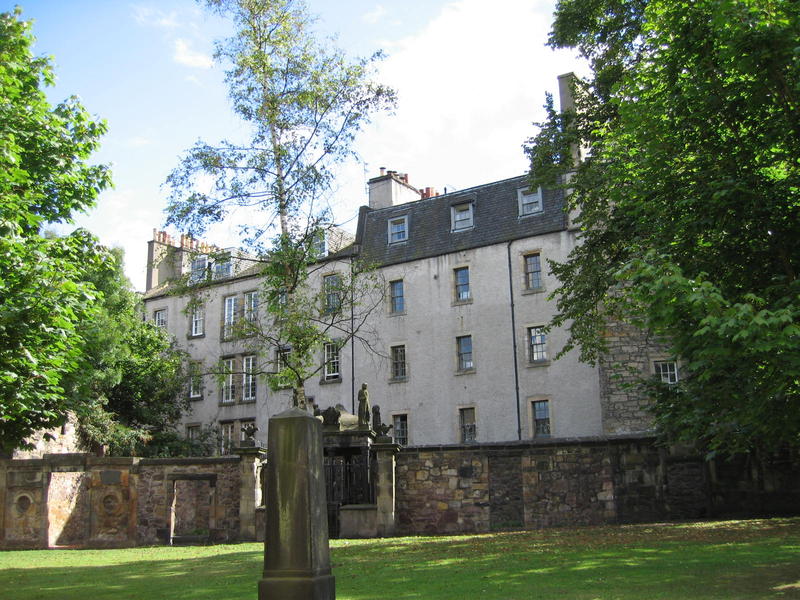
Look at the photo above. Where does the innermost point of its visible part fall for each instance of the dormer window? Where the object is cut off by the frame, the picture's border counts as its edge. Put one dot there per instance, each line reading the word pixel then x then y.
pixel 199 266
pixel 223 267
pixel 398 229
pixel 461 216
pixel 530 203
pixel 321 244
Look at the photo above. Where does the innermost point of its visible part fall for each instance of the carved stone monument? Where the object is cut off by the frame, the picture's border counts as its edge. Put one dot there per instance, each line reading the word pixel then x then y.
pixel 297 562
pixel 380 429
pixel 363 407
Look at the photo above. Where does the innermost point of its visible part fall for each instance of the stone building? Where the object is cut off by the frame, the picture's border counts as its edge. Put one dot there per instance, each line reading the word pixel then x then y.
pixel 457 352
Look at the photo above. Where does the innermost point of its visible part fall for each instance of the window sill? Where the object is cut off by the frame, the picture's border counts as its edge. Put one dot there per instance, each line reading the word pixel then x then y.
pixel 535 213
pixel 470 228
pixel 461 302
pixel 530 291
pixel 248 401
pixel 466 371
pixel 228 403
pixel 195 337
pixel 538 363
pixel 397 243
pixel 324 381
pixel 196 398
pixel 397 314
pixel 398 379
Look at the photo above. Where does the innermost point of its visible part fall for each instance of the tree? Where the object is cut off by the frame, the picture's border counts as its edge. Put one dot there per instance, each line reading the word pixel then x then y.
pixel 45 297
pixel 689 204
pixel 131 380
pixel 303 102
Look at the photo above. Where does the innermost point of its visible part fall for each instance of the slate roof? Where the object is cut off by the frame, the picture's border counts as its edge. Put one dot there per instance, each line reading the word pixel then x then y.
pixel 495 220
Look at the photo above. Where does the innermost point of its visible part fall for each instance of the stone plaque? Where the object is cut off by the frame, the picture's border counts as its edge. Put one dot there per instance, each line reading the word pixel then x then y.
pixel 110 477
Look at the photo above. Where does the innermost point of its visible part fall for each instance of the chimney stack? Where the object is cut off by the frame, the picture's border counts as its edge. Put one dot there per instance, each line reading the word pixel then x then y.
pixel 391 188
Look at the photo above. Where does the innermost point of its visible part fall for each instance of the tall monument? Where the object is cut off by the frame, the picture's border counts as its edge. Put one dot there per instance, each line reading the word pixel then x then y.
pixel 297 562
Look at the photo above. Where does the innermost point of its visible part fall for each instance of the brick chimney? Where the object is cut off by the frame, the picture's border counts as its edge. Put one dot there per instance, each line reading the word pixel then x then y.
pixel 391 188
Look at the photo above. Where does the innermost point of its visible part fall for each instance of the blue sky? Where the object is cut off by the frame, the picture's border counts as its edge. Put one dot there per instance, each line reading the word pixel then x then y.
pixel 470 75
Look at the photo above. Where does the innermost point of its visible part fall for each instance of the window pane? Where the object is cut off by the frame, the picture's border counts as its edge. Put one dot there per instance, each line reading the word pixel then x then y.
pixel 533 272
pixel 332 288
pixel 538 344
pixel 397 297
pixel 464 345
pixel 667 371
pixel 198 269
pixel 251 306
pixel 230 316
pixel 397 230
pixel 226 437
pixel 530 203
pixel 467 425
pixel 249 380
pixel 541 418
pixel 398 362
pixel 462 283
pixel 331 361
pixel 198 321
pixel 462 216
pixel 223 268
pixel 400 429
pixel 228 382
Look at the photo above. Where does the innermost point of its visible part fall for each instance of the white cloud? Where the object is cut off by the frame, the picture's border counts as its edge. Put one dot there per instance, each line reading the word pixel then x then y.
pixel 469 86
pixel 373 16
pixel 146 15
pixel 184 55
pixel 138 141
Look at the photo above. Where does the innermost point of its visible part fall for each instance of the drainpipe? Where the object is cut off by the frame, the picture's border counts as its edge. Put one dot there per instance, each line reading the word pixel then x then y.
pixel 352 342
pixel 514 339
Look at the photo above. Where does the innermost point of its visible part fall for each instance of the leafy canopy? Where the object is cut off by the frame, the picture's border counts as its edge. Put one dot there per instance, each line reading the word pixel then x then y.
pixel 43 153
pixel 303 102
pixel 131 382
pixel 689 203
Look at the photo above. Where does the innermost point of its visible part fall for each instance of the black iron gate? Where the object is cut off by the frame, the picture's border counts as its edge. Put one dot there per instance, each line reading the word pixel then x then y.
pixel 349 479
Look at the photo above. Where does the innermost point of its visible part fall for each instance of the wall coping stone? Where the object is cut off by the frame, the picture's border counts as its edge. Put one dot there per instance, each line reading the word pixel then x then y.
pixel 198 460
pixel 535 443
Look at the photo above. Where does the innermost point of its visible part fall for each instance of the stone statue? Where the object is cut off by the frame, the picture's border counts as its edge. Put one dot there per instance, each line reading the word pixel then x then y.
pixel 249 431
pixel 377 425
pixel 376 417
pixel 363 406
pixel 330 417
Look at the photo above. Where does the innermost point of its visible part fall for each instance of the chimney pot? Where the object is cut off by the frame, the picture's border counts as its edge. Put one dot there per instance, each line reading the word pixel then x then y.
pixel 383 171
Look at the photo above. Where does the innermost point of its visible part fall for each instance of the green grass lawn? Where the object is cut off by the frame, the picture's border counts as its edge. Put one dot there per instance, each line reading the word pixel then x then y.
pixel 727 559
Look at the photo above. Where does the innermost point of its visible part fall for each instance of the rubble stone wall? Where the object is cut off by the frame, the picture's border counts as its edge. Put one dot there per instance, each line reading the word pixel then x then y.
pixel 631 352
pixel 207 495
pixel 78 500
pixel 624 479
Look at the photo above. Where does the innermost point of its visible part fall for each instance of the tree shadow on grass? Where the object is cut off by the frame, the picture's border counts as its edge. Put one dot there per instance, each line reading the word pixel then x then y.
pixel 730 560
pixel 723 560
pixel 223 576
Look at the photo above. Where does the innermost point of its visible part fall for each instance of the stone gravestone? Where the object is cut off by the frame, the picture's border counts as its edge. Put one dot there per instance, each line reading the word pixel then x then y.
pixel 297 562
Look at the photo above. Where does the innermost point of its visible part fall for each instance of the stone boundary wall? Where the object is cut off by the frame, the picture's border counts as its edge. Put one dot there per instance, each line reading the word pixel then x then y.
pixel 78 500
pixel 624 479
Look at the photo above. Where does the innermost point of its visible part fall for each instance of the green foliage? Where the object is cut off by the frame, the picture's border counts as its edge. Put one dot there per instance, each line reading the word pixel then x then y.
pixel 303 102
pixel 689 204
pixel 44 294
pixel 132 377
pixel 169 443
pixel 723 560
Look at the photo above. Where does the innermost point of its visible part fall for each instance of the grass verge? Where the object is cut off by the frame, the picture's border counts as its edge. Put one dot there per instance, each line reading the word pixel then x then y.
pixel 727 559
